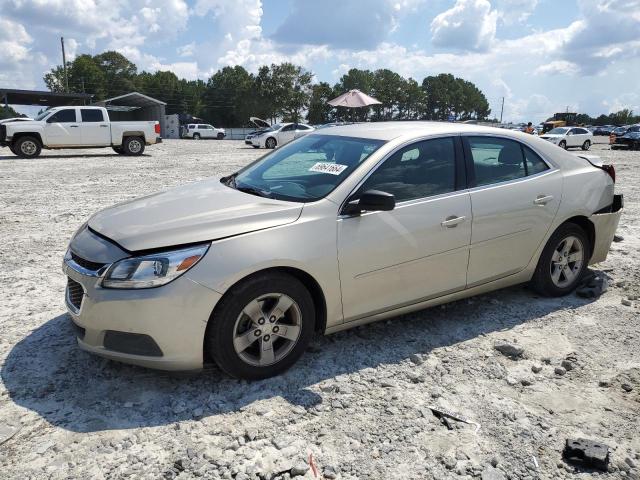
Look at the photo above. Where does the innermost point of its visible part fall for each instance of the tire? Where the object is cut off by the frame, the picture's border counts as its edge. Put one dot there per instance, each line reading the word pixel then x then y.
pixel 234 338
pixel 27 147
pixel 586 145
pixel 220 136
pixel 133 146
pixel 563 144
pixel 554 258
pixel 118 150
pixel 196 136
pixel 255 146
pixel 13 150
pixel 270 143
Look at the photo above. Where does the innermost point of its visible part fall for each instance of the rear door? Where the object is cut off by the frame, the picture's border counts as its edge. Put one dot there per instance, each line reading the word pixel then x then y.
pixel 417 251
pixel 95 128
pixel 515 197
pixel 63 129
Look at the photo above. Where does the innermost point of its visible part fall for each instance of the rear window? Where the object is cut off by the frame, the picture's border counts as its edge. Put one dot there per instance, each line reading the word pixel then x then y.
pixel 91 115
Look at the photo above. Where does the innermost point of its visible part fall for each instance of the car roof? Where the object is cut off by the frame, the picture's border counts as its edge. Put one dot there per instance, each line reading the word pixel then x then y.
pixel 390 130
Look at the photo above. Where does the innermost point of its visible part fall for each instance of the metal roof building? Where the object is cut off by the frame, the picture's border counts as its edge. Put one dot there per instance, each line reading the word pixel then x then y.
pixel 136 106
pixel 12 96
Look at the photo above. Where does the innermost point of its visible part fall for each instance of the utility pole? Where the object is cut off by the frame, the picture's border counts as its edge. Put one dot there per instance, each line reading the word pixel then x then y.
pixel 64 67
pixel 501 109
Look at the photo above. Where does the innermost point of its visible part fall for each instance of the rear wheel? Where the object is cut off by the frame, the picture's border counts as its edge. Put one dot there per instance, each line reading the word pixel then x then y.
pixel 586 145
pixel 261 327
pixel 133 146
pixel 563 261
pixel 270 143
pixel 196 136
pixel 27 147
pixel 220 136
pixel 563 144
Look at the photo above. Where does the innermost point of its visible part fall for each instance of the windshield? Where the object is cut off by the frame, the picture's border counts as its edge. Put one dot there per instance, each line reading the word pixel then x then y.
pixel 634 129
pixel 41 115
pixel 620 130
pixel 306 169
pixel 558 131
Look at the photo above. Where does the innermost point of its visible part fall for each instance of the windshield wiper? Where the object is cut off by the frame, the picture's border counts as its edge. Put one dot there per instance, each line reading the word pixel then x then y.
pixel 254 191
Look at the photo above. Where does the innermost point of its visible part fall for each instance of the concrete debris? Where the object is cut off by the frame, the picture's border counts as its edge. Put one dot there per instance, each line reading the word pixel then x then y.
pixel 587 453
pixel 509 349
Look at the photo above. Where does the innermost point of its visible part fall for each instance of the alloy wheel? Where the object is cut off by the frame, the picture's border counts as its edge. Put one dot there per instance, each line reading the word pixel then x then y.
pixel 271 143
pixel 566 261
pixel 135 146
pixel 267 329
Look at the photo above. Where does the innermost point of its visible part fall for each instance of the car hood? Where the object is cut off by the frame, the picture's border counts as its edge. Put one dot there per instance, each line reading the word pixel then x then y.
pixel 197 212
pixel 24 123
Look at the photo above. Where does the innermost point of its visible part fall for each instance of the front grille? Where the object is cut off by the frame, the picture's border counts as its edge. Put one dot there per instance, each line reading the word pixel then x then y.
pixel 86 263
pixel 75 292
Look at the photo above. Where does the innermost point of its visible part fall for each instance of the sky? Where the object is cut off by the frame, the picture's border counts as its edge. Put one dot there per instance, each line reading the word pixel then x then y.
pixel 542 56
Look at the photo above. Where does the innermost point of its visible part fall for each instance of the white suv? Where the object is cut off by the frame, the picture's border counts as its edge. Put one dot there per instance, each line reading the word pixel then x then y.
pixel 202 130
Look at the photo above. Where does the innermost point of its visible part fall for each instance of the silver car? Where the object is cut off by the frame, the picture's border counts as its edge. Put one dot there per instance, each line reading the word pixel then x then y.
pixel 339 228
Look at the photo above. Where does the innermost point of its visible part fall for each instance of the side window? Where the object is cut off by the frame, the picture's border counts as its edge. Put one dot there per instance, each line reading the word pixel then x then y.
pixel 91 115
pixel 202 127
pixel 209 127
pixel 533 162
pixel 67 115
pixel 288 128
pixel 496 160
pixel 419 170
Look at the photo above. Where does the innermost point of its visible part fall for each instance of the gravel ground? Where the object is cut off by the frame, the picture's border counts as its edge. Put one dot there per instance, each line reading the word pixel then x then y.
pixel 355 406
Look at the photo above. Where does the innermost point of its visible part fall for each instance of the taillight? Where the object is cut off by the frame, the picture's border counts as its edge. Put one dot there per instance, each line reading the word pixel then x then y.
pixel 611 170
pixel 157 128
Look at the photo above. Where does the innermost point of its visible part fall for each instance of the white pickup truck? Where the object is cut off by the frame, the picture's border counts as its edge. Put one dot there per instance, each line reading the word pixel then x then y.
pixel 77 127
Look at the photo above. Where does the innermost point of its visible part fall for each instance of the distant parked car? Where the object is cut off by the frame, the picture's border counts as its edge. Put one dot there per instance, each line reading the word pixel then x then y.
pixel 198 131
pixel 567 137
pixel 630 139
pixel 261 126
pixel 280 134
pixel 603 131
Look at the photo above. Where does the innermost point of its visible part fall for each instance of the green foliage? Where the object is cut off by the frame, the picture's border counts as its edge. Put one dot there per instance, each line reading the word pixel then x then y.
pixel 285 91
pixel 8 112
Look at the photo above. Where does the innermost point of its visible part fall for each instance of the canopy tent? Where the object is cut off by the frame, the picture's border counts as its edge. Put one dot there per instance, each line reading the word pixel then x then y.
pixel 353 99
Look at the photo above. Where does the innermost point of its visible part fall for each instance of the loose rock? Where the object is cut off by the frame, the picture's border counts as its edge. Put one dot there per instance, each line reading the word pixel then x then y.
pixel 509 349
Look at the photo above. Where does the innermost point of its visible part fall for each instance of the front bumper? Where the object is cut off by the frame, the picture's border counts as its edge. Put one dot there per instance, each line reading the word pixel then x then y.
pixel 605 224
pixel 165 326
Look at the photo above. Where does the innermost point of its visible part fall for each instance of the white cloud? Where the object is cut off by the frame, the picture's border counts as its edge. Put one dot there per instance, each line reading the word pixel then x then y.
pixel 557 67
pixel 515 11
pixel 14 42
pixel 468 25
pixel 187 50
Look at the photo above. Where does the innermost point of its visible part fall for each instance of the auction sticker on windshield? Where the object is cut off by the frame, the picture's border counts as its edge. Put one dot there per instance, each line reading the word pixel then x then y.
pixel 326 167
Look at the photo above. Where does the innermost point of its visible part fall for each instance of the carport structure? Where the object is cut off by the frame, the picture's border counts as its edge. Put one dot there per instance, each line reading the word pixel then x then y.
pixel 136 106
pixel 12 96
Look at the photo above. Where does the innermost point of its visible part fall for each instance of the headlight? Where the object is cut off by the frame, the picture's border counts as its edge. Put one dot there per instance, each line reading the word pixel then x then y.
pixel 152 270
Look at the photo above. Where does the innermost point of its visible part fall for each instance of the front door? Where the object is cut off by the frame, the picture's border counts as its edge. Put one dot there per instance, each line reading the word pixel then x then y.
pixel 420 249
pixel 514 202
pixel 286 134
pixel 95 128
pixel 62 129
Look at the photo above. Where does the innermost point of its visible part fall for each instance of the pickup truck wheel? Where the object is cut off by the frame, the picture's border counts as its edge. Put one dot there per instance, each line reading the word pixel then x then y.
pixel 220 136
pixel 133 146
pixel 118 150
pixel 27 147
pixel 196 136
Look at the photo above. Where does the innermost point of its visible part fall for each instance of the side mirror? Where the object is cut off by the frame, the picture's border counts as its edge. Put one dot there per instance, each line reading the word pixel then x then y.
pixel 370 201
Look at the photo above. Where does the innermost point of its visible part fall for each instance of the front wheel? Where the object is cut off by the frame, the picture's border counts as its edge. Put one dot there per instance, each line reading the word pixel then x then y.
pixel 118 150
pixel 261 326
pixel 220 136
pixel 563 261
pixel 27 147
pixel 196 136
pixel 586 145
pixel 270 143
pixel 563 144
pixel 133 146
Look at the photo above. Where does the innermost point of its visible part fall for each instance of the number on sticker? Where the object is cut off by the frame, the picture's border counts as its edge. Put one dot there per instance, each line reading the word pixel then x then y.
pixel 330 168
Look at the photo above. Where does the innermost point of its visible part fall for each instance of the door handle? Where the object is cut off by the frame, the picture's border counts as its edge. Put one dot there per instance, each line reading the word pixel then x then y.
pixel 104 126
pixel 543 199
pixel 73 126
pixel 452 221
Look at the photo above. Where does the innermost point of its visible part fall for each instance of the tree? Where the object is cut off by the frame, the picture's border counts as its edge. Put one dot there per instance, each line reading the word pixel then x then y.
pixel 284 90
pixel 8 112
pixel 230 96
pixel 319 111
pixel 448 95
pixel 387 88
